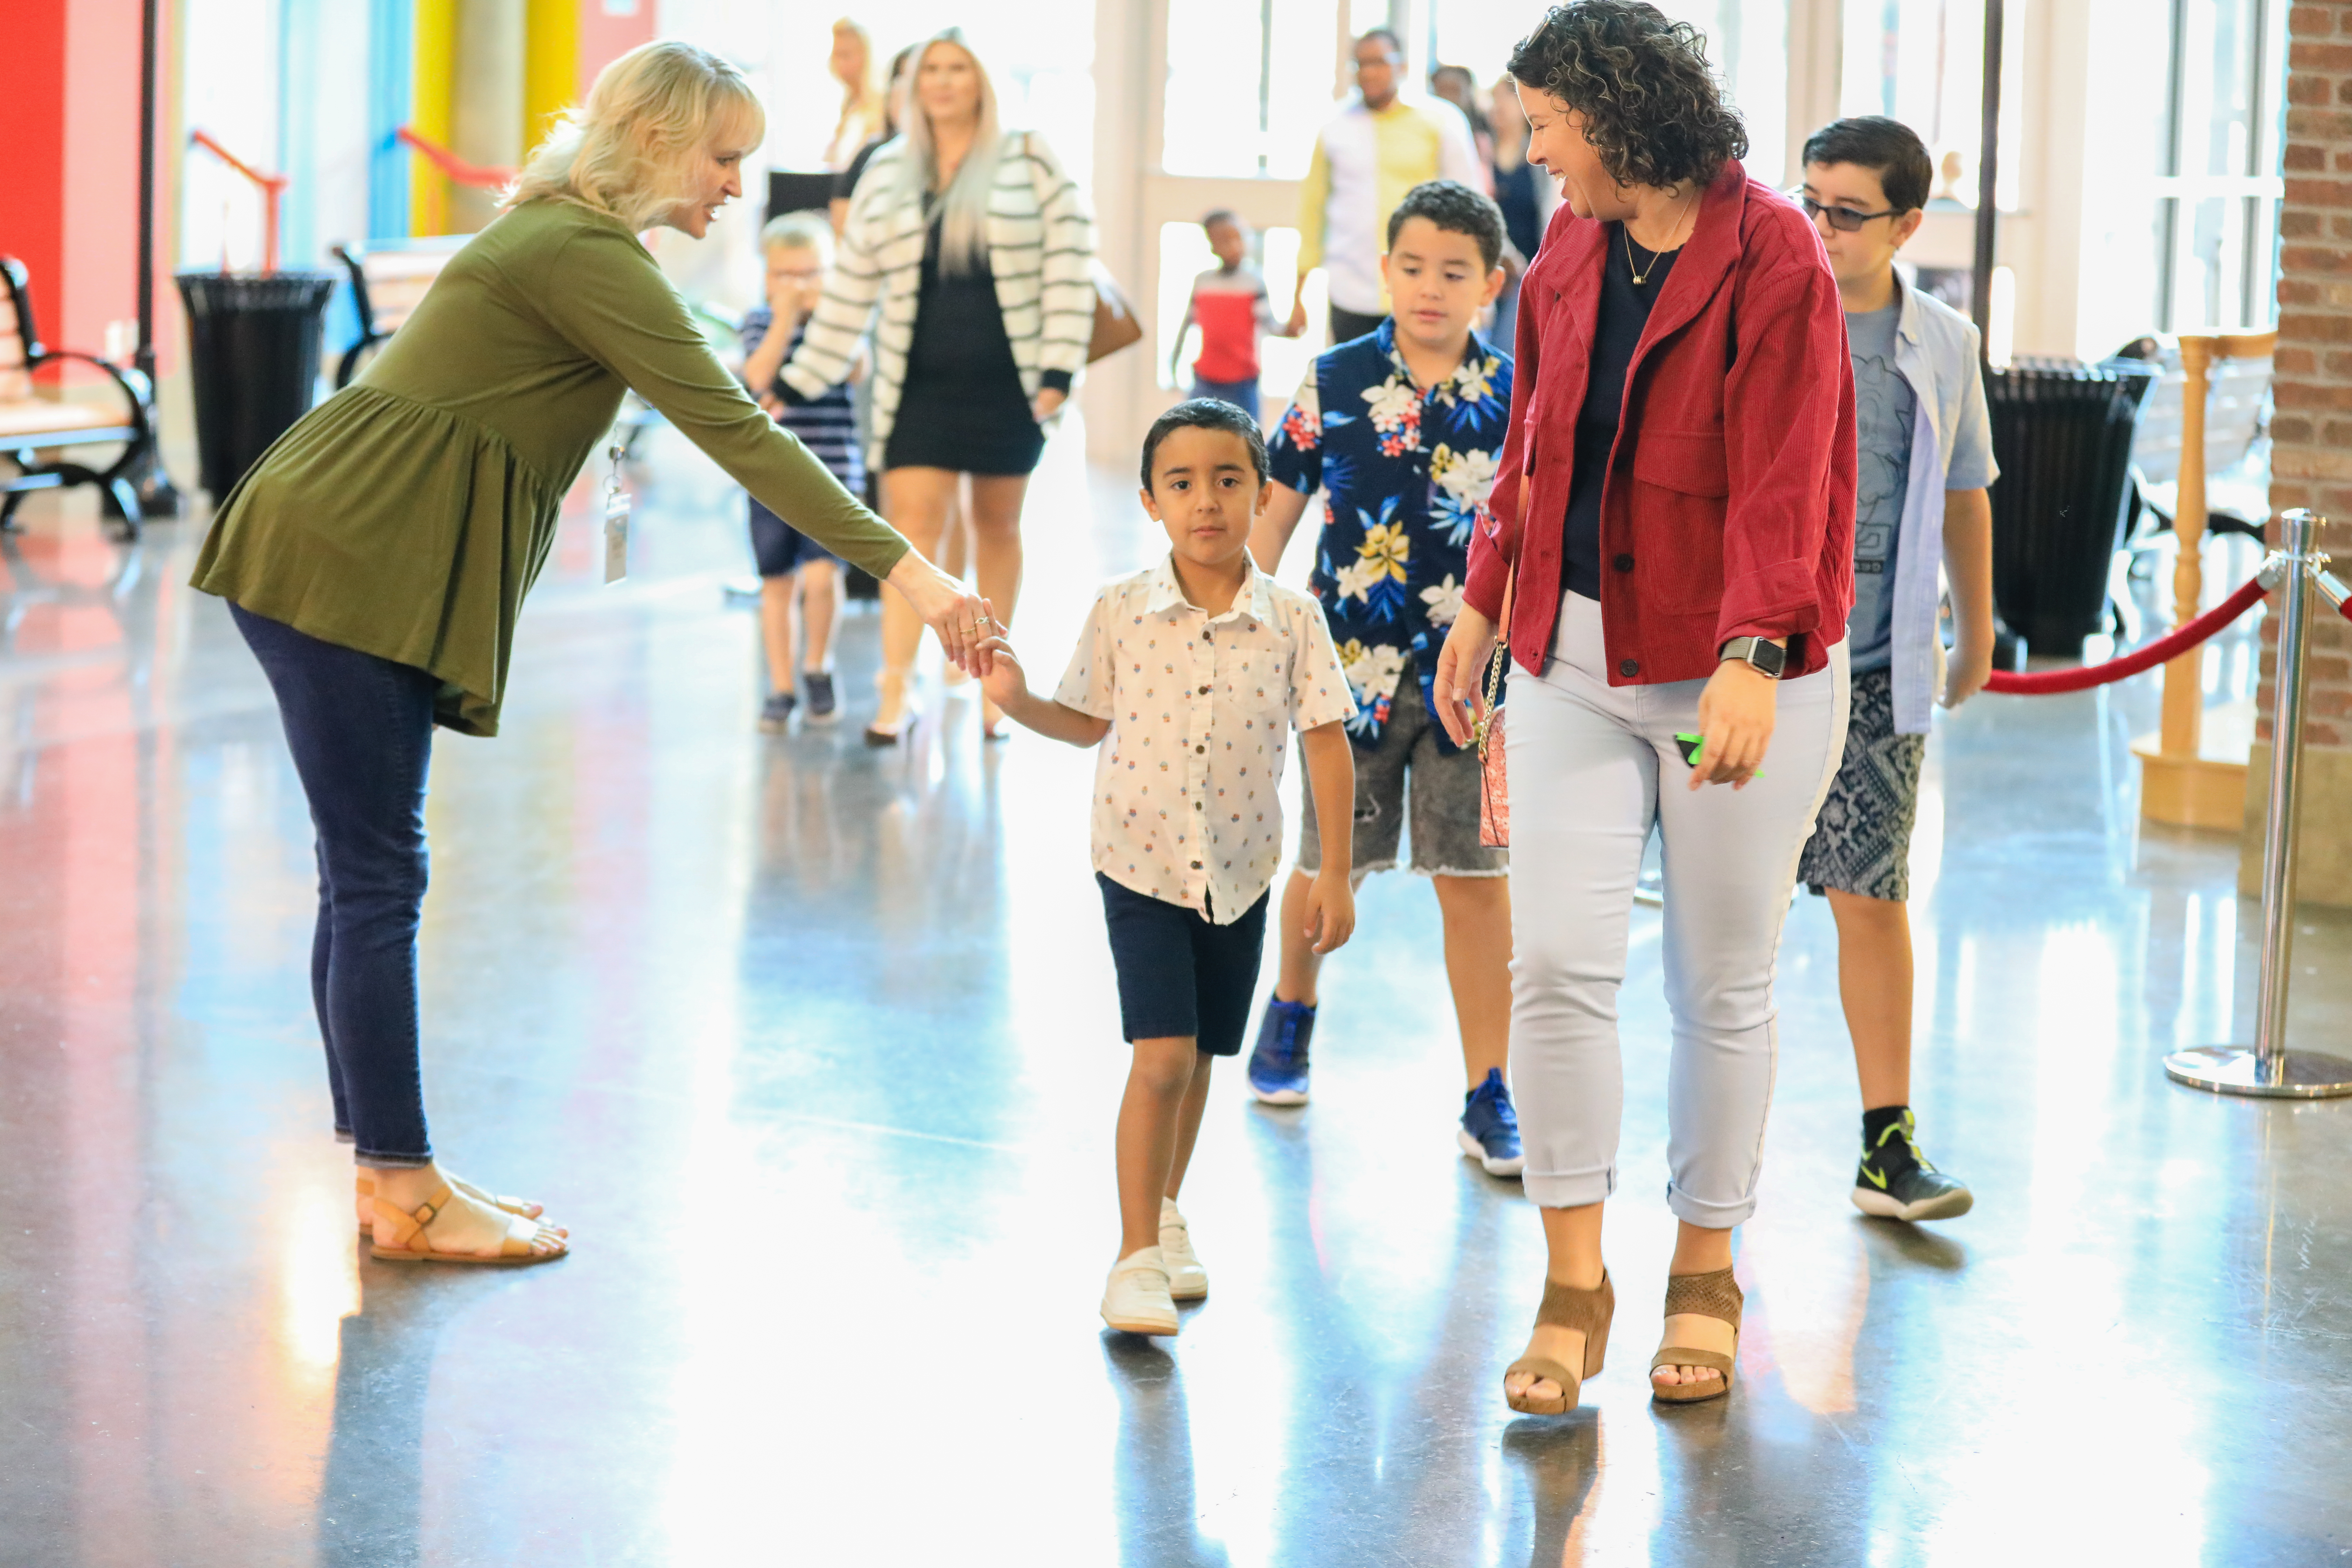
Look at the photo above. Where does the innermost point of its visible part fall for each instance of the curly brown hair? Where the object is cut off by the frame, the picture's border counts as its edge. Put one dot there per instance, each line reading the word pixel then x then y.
pixel 1650 104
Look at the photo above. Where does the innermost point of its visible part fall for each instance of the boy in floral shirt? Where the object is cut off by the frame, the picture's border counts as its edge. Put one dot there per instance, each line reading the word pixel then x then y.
pixel 1400 431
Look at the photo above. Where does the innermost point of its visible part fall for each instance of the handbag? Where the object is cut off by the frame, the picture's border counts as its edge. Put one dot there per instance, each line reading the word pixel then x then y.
pixel 1494 772
pixel 1115 324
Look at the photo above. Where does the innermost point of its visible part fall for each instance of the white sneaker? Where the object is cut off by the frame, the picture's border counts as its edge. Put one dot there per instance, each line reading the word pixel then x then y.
pixel 1187 1280
pixel 1136 1298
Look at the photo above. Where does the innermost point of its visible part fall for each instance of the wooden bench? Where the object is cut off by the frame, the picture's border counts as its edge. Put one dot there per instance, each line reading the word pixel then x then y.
pixel 34 428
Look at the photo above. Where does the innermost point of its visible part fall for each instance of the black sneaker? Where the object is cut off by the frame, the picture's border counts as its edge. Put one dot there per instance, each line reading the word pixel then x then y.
pixel 821 708
pixel 1896 1182
pixel 776 713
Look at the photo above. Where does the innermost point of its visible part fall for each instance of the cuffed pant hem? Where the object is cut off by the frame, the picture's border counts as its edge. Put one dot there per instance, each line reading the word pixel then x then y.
pixel 1706 1215
pixel 1476 872
pixel 392 1162
pixel 1567 1190
pixel 345 1136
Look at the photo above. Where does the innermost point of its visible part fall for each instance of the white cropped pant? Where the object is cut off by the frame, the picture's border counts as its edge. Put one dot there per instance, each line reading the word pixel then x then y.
pixel 1593 767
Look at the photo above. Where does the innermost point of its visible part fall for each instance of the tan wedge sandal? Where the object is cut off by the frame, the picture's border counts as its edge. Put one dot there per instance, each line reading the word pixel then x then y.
pixel 1715 1295
pixel 523 1206
pixel 1564 1308
pixel 410 1244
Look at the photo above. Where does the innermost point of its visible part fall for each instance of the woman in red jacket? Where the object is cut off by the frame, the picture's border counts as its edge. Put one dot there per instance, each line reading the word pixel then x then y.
pixel 1674 540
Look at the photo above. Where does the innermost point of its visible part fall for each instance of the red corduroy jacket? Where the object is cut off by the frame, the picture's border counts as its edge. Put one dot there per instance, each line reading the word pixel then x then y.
pixel 1728 507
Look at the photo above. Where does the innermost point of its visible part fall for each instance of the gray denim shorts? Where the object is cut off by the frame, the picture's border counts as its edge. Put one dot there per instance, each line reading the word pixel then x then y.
pixel 1409 774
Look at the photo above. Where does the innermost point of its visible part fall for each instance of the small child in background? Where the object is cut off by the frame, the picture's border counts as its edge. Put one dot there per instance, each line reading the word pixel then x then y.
pixel 1228 304
pixel 799 248
pixel 1197 669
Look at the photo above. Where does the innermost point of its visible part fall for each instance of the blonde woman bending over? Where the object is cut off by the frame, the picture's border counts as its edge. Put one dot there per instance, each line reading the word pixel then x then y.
pixel 376 559
pixel 977 250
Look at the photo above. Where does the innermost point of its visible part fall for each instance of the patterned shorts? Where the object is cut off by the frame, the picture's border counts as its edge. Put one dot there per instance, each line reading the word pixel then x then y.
pixel 1861 842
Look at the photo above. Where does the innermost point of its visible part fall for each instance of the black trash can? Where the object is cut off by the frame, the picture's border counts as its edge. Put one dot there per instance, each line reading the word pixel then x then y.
pixel 254 346
pixel 2061 432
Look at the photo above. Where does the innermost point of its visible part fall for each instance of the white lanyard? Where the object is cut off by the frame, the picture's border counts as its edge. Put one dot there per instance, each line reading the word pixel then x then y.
pixel 616 521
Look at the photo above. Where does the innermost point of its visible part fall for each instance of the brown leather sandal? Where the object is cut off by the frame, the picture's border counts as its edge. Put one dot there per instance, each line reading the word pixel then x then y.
pixel 410 1244
pixel 523 1206
pixel 1564 1308
pixel 1715 1295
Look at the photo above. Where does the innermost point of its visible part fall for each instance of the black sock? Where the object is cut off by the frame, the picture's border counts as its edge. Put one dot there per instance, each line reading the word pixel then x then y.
pixel 1874 1124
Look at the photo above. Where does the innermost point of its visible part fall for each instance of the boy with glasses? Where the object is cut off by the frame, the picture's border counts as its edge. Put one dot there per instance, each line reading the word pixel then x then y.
pixel 1925 444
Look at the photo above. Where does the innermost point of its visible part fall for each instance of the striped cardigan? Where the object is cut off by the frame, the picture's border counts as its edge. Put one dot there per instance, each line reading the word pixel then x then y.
pixel 1041 246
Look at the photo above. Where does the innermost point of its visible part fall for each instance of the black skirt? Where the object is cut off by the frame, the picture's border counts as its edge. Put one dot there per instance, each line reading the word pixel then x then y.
pixel 961 406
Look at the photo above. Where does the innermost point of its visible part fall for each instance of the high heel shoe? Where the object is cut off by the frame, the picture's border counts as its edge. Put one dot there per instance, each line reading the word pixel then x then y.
pixel 893 714
pixel 1712 1295
pixel 1564 1308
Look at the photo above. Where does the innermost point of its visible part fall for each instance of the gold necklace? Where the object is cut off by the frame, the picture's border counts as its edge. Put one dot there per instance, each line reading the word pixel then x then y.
pixel 1643 275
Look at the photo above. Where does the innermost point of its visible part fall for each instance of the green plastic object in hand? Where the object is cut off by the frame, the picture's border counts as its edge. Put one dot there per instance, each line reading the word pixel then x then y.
pixel 1691 746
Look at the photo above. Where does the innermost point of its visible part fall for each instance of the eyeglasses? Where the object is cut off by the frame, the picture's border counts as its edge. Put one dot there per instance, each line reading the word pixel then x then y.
pixel 1845 220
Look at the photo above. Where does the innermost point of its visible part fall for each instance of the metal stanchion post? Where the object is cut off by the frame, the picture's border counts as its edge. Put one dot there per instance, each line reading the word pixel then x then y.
pixel 2269 1068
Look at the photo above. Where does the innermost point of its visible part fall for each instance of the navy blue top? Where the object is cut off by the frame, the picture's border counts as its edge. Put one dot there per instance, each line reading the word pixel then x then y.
pixel 826 425
pixel 1624 312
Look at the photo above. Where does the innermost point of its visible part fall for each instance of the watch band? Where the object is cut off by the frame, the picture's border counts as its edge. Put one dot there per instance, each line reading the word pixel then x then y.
pixel 1764 657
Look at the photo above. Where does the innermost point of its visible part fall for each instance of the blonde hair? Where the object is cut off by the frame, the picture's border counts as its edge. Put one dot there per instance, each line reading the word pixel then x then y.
pixel 860 98
pixel 963 223
pixel 623 152
pixel 799 231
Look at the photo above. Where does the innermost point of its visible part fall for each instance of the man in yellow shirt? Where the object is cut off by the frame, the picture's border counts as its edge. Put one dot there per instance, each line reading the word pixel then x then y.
pixel 1370 153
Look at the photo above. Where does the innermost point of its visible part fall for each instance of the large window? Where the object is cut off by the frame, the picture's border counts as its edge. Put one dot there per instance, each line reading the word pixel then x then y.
pixel 1922 62
pixel 1249 83
pixel 2219 182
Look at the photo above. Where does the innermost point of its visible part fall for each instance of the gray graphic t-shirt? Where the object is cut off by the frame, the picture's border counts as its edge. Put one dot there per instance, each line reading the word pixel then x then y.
pixel 1884 409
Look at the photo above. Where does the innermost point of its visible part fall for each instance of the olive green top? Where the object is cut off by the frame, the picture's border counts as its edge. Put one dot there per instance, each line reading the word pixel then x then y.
pixel 407 515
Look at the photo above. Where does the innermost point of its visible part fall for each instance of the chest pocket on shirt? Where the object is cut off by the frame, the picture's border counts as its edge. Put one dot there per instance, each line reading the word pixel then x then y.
pixel 1678 495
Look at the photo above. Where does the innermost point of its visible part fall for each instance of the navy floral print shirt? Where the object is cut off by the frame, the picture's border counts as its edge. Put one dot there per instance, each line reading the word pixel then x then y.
pixel 1405 474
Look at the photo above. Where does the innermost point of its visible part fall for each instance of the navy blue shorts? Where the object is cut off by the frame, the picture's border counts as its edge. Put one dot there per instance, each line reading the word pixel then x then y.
pixel 1179 974
pixel 779 547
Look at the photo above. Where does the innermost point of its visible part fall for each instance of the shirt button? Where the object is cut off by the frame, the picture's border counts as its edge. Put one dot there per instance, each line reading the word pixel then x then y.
pixel 1629 668
pixel 1200 748
pixel 1204 691
pixel 1623 563
pixel 1196 865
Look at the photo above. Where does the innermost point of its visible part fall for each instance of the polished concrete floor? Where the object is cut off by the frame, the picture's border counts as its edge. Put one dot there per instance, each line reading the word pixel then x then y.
pixel 815 1048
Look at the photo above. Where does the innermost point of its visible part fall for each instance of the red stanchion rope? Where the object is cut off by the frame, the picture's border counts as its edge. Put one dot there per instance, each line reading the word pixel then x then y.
pixel 2042 683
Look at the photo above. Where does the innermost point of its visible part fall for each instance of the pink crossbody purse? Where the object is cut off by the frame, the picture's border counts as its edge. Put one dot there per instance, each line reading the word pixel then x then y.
pixel 1494 773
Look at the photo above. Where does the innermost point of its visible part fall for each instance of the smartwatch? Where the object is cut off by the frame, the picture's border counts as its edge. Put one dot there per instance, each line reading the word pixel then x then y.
pixel 1765 659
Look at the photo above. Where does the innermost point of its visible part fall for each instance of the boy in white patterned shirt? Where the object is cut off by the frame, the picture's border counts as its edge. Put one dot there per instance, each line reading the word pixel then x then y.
pixel 1197 668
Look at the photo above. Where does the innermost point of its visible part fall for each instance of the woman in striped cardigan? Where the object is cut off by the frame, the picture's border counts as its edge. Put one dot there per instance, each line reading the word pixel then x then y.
pixel 976 249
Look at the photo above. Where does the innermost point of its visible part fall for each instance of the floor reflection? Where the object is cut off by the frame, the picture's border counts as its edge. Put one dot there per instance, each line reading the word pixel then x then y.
pixel 816 1047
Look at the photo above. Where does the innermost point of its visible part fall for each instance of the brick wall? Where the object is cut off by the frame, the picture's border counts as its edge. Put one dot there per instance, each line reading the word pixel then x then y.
pixel 2311 458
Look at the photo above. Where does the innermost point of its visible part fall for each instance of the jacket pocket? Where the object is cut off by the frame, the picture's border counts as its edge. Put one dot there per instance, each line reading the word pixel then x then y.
pixel 1680 483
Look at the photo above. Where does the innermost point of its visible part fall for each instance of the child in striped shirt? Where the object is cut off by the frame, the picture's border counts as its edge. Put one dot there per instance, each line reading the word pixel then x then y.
pixel 799 248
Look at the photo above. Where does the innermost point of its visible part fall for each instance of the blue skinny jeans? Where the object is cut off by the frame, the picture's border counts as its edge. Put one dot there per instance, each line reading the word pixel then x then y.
pixel 361 729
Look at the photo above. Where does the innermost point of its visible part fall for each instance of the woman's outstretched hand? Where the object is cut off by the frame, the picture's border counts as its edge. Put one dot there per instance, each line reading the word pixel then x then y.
pixel 1735 723
pixel 1458 684
pixel 961 618
pixel 1047 402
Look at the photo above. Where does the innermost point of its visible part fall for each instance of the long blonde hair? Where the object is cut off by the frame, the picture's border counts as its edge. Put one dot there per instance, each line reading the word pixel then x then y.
pixel 860 99
pixel 623 152
pixel 963 222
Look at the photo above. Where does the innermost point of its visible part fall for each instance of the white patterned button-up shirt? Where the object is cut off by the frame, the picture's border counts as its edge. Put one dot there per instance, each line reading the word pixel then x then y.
pixel 1200 712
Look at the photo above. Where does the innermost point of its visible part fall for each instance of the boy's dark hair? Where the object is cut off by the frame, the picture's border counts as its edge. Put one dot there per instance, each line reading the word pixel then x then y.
pixel 1221 215
pixel 1650 104
pixel 1385 35
pixel 1456 208
pixel 1888 148
pixel 1205 413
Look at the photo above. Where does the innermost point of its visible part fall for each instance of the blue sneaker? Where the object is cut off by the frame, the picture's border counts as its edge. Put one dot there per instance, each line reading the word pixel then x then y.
pixel 1490 1128
pixel 1278 1067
